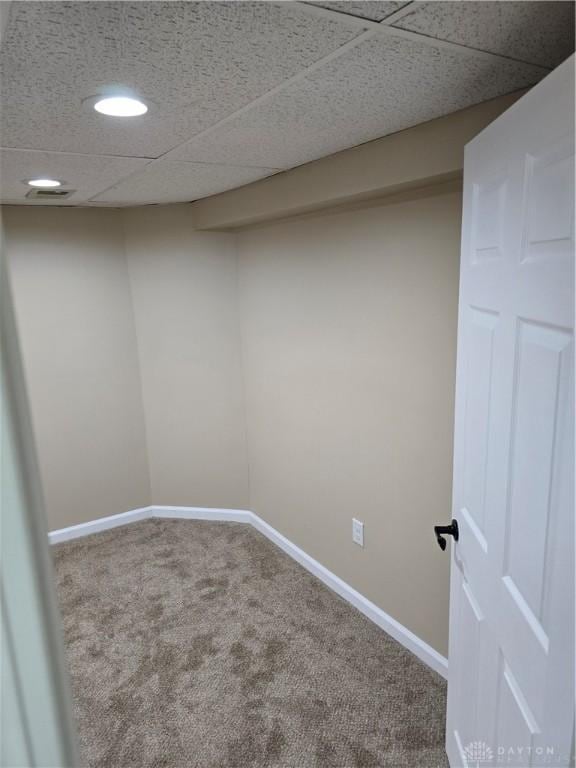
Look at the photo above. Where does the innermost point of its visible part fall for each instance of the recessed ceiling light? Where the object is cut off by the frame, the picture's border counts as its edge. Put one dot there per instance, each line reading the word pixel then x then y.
pixel 120 106
pixel 44 183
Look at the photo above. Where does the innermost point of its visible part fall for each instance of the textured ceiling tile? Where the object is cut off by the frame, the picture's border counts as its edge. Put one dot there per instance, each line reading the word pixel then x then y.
pixel 367 9
pixel 86 174
pixel 384 85
pixel 196 61
pixel 166 182
pixel 538 32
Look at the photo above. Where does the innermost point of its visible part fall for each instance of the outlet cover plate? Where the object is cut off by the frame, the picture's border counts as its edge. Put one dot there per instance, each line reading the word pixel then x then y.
pixel 358 532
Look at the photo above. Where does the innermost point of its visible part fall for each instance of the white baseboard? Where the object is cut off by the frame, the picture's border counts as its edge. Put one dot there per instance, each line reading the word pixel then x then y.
pixel 398 631
pixel 144 513
pixel 101 524
pixel 203 513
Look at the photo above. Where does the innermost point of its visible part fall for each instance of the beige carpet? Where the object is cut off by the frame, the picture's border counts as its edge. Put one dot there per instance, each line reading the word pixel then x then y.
pixel 201 645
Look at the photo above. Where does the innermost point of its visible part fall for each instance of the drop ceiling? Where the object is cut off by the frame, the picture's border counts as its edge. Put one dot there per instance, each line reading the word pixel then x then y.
pixel 243 90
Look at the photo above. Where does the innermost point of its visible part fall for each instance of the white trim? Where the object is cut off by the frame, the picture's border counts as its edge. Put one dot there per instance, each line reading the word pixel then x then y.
pixel 144 513
pixel 398 631
pixel 101 524
pixel 203 513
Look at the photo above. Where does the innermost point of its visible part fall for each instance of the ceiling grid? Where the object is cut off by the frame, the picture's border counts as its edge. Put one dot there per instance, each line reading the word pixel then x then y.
pixel 243 90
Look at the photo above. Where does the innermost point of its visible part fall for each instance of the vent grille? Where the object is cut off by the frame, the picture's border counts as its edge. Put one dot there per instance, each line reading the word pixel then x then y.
pixel 49 194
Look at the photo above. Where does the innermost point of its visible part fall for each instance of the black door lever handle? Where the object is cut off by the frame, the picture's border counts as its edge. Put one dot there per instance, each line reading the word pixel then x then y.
pixel 450 530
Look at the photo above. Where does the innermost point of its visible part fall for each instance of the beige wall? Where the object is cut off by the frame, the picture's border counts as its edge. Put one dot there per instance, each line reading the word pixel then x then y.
pixel 120 310
pixel 185 300
pixel 349 342
pixel 74 312
pixel 340 359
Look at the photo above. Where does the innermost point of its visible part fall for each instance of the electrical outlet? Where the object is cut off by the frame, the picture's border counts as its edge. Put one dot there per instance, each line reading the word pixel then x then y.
pixel 357 532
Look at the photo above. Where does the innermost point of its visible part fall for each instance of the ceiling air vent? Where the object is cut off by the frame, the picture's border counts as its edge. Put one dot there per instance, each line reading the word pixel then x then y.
pixel 49 194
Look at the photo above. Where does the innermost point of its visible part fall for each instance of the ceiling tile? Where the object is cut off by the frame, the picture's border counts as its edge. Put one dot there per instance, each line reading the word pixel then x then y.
pixel 376 10
pixel 381 86
pixel 166 182
pixel 87 174
pixel 196 61
pixel 538 32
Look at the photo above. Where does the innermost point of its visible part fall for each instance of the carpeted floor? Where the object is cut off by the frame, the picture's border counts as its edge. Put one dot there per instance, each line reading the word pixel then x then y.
pixel 202 645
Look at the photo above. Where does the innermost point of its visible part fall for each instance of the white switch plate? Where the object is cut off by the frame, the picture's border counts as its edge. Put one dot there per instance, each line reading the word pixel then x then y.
pixel 357 532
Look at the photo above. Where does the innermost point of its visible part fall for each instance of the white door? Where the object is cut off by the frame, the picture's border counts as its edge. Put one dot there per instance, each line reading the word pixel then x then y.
pixel 511 670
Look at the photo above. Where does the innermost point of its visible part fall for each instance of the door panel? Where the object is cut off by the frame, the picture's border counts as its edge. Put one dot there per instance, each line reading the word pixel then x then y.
pixel 511 675
pixel 471 626
pixel 541 352
pixel 483 325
